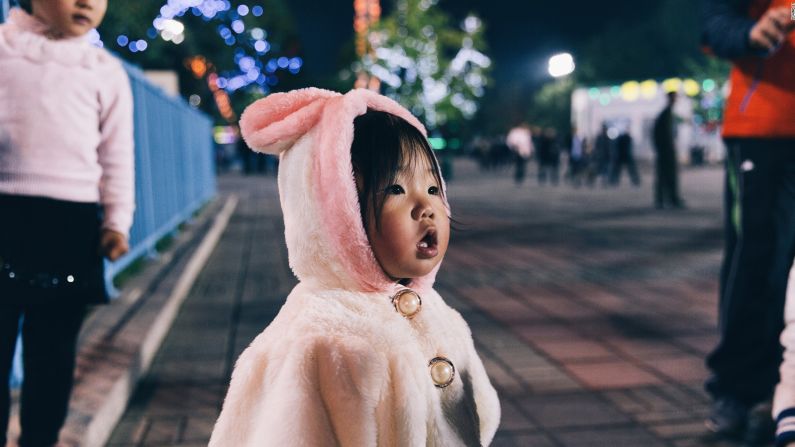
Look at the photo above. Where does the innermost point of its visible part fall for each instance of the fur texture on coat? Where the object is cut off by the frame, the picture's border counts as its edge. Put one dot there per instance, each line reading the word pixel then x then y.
pixel 339 365
pixel 784 397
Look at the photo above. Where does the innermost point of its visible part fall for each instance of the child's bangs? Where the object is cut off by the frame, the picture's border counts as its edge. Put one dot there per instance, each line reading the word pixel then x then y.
pixel 416 153
pixel 383 147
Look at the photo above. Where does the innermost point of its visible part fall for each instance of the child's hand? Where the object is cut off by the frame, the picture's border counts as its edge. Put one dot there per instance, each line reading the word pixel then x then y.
pixel 113 244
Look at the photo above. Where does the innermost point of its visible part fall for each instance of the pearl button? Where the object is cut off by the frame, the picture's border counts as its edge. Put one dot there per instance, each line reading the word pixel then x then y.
pixel 442 372
pixel 407 303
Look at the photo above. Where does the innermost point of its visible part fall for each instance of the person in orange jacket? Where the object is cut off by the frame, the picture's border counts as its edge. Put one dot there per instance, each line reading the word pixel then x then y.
pixel 759 132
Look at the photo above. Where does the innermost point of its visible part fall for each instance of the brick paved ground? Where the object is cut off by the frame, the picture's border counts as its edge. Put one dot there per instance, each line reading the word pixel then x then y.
pixel 592 311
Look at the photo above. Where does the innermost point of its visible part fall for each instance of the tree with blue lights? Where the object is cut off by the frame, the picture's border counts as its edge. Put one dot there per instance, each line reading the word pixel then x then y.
pixel 239 48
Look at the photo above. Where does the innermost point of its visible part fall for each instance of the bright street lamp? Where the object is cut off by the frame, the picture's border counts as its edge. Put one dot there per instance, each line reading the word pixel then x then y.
pixel 561 64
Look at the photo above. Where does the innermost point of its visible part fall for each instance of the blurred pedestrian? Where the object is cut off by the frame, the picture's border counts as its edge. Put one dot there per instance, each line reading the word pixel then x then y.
pixel 480 151
pixel 578 157
pixel 499 153
pixel 623 157
pixel 759 131
pixel 666 188
pixel 520 141
pixel 600 158
pixel 548 157
pixel 66 197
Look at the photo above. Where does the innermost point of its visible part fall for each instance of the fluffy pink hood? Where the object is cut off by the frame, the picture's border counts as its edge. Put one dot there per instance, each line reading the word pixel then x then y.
pixel 312 131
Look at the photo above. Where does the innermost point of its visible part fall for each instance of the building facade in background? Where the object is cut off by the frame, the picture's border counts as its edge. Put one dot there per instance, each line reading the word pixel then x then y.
pixel 632 107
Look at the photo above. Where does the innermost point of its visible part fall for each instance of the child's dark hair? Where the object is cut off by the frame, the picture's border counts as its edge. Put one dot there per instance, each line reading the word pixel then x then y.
pixel 382 144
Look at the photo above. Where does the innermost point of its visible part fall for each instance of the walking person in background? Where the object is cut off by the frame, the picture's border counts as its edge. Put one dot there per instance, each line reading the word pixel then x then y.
pixel 578 157
pixel 66 155
pixel 624 157
pixel 759 131
pixel 520 141
pixel 548 157
pixel 666 185
pixel 600 159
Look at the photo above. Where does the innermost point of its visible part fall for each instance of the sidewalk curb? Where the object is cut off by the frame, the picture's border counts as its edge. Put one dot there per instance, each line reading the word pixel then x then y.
pixel 188 276
pixel 104 419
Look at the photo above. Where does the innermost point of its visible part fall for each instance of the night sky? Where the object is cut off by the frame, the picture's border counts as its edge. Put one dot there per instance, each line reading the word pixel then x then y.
pixel 521 34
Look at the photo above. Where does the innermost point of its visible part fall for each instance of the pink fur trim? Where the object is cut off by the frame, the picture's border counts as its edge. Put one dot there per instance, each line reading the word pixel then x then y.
pixel 272 124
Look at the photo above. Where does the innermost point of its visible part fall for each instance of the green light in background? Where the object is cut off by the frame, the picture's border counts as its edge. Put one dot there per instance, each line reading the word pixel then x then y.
pixel 615 91
pixel 437 143
pixel 708 85
pixel 593 92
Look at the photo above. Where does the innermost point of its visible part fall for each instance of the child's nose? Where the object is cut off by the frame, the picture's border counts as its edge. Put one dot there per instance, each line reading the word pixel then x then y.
pixel 423 210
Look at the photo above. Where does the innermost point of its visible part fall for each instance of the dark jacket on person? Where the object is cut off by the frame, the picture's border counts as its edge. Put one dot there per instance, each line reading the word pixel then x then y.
pixel 663 132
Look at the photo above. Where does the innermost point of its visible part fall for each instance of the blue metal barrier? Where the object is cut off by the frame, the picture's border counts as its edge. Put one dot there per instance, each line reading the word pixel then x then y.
pixel 174 167
pixel 174 172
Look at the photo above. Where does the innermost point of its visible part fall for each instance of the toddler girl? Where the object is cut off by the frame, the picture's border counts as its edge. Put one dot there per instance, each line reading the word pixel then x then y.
pixel 66 154
pixel 364 352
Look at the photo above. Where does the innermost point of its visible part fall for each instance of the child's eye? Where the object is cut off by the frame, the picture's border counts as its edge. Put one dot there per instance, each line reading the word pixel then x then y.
pixel 434 190
pixel 394 189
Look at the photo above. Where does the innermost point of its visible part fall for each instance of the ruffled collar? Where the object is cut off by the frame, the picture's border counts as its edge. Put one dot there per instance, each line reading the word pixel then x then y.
pixel 23 34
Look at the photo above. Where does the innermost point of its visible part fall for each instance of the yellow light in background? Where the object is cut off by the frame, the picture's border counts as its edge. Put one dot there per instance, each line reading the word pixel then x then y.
pixel 648 89
pixel 630 91
pixel 672 85
pixel 691 87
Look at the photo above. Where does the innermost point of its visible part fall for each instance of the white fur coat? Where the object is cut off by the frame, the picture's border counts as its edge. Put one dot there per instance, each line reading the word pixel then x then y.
pixel 784 398
pixel 339 365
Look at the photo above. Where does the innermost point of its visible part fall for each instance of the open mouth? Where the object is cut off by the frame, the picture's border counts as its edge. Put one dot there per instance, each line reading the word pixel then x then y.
pixel 427 247
pixel 80 19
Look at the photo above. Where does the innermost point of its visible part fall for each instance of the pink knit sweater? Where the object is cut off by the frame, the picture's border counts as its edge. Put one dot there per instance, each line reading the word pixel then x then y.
pixel 65 121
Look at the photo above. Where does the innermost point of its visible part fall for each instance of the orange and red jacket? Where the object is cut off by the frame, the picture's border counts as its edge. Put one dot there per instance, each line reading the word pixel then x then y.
pixel 762 99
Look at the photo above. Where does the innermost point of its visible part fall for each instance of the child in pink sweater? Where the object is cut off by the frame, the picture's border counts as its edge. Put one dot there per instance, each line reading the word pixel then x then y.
pixel 66 196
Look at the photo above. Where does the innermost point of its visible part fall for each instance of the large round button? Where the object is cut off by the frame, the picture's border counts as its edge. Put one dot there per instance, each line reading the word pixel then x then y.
pixel 442 371
pixel 407 303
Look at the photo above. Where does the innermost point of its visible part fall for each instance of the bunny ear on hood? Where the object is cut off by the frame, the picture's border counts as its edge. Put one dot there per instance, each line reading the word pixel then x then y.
pixel 312 131
pixel 274 123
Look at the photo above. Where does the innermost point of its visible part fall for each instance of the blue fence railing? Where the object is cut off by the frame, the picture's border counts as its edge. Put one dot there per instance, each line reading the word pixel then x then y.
pixel 174 166
pixel 174 172
pixel 4 5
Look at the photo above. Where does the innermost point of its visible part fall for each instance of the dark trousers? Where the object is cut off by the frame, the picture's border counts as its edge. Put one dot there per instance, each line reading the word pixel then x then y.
pixel 548 168
pixel 624 159
pixel 666 186
pixel 760 246
pixel 49 336
pixel 520 168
